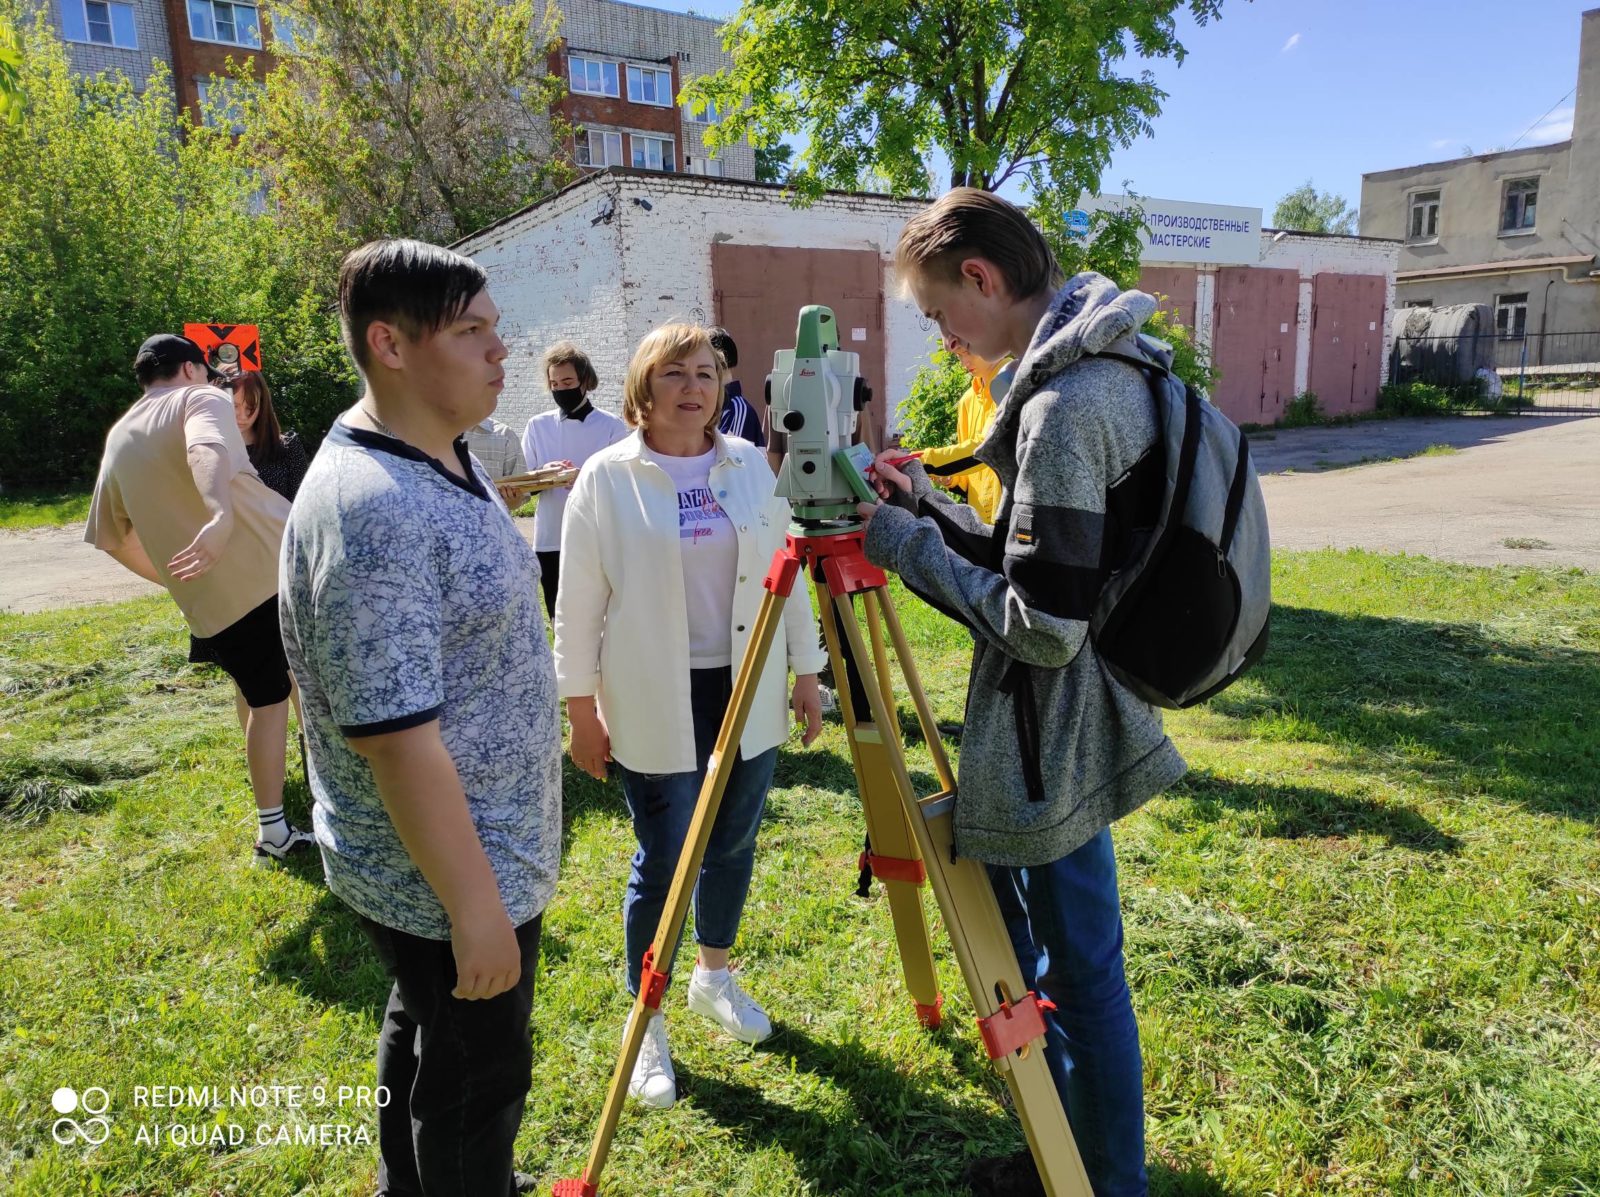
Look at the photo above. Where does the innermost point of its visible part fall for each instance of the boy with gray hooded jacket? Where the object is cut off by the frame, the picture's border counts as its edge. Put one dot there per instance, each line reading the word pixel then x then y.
pixel 1055 749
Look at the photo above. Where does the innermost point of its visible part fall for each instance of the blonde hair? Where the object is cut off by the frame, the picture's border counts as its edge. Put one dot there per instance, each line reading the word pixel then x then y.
pixel 565 353
pixel 669 343
pixel 968 223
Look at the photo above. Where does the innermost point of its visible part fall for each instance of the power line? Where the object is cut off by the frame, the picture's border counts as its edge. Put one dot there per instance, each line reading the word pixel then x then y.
pixel 1536 123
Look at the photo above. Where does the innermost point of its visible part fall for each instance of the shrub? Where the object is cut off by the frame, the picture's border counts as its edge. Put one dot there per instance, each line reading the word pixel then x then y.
pixel 928 412
pixel 1302 411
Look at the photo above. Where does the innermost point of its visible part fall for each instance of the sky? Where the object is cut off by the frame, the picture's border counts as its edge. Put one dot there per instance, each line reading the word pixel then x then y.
pixel 1281 91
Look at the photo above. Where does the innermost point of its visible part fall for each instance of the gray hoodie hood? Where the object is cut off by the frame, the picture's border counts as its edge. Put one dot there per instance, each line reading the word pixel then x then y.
pixel 1086 316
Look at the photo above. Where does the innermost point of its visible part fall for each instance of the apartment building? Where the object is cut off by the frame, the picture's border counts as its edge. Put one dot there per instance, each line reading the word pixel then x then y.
pixel 1518 230
pixel 194 38
pixel 624 65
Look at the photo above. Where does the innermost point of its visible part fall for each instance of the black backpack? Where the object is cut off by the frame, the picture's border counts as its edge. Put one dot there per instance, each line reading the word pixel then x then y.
pixel 1185 616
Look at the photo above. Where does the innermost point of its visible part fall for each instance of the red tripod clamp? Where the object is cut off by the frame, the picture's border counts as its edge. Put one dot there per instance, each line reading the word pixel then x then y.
pixel 575 1188
pixel 652 984
pixel 894 868
pixel 1014 1025
pixel 842 560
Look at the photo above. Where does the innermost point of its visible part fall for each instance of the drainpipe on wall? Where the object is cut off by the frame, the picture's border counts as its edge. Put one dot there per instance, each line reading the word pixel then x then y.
pixel 1544 317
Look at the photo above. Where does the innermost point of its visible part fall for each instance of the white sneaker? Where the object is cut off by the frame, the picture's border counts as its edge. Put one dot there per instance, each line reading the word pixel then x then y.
pixel 266 852
pixel 724 1003
pixel 829 700
pixel 654 1083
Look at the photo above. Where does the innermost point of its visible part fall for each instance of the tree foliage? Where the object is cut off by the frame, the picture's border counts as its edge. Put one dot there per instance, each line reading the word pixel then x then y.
pixel 1305 210
pixel 13 100
pixel 928 412
pixel 1004 90
pixel 412 117
pixel 121 218
pixel 774 162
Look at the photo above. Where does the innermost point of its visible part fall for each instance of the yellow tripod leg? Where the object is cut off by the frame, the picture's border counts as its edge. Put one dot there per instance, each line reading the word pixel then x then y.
pixel 657 961
pixel 979 937
pixel 900 869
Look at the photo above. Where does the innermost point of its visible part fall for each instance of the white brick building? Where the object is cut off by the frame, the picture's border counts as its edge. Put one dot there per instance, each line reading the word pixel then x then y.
pixel 113 35
pixel 622 252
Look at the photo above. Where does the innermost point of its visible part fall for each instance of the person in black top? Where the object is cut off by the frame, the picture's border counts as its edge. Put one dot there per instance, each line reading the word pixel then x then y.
pixel 738 417
pixel 278 456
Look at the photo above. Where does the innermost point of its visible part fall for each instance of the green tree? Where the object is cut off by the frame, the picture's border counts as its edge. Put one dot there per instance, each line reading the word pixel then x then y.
pixel 1305 210
pixel 12 98
pixel 1006 90
pixel 928 412
pixel 410 117
pixel 121 218
pixel 773 162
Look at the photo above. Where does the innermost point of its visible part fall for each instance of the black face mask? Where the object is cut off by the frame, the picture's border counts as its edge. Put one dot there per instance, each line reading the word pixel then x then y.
pixel 569 399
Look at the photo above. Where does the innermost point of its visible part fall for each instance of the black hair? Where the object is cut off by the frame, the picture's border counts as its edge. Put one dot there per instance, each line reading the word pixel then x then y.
pixel 723 344
pixel 414 285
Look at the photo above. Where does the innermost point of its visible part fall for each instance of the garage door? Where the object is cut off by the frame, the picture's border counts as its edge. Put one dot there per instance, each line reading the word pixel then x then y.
pixel 1252 342
pixel 759 291
pixel 1347 320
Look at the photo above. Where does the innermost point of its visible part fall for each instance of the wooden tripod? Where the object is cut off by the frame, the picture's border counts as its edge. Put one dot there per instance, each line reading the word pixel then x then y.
pixel 912 842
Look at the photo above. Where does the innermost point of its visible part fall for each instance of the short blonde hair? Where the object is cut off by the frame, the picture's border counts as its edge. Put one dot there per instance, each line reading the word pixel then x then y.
pixel 669 343
pixel 965 223
pixel 565 353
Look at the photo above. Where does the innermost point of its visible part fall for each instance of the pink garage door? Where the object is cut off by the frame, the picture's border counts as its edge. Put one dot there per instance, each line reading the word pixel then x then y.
pixel 1347 319
pixel 1177 283
pixel 759 293
pixel 1252 342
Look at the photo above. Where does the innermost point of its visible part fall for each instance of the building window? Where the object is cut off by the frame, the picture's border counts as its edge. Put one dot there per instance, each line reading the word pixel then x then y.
pixel 653 153
pixel 102 22
pixel 710 167
pixel 289 34
pixel 218 103
pixel 1521 207
pixel 708 115
pixel 1424 216
pixel 592 77
pixel 1417 303
pixel 648 86
pixel 598 149
pixel 1511 315
pixel 218 21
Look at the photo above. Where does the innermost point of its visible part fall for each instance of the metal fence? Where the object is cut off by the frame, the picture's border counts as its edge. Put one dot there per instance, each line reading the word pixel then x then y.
pixel 1540 373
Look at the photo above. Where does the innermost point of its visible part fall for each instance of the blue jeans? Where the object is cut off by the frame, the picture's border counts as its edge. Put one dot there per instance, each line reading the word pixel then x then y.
pixel 1066 926
pixel 662 805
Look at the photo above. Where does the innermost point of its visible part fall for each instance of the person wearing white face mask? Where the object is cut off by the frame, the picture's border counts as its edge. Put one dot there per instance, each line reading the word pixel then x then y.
pixel 568 435
pixel 668 537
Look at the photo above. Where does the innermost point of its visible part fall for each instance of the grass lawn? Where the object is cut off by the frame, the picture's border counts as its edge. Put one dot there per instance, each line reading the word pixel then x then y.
pixel 1363 935
pixel 42 509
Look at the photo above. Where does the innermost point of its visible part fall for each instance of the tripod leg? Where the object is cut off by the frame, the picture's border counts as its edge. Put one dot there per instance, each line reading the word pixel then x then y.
pixel 653 979
pixel 896 861
pixel 1007 1016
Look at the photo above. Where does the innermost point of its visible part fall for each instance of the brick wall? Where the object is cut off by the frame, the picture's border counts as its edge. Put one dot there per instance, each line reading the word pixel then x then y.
pixel 193 61
pixel 554 274
pixel 150 27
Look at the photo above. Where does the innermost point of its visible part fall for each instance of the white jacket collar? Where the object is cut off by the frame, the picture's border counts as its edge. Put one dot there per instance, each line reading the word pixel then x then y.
pixel 633 449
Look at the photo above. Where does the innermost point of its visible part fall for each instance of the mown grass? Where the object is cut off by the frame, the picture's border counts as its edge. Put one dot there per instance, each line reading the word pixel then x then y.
pixel 42 509
pixel 1363 935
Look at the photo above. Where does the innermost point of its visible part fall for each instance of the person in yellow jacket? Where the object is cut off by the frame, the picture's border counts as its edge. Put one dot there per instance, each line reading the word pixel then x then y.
pixel 954 465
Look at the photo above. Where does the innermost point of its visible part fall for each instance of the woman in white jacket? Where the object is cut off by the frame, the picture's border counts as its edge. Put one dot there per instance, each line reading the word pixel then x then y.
pixel 667 538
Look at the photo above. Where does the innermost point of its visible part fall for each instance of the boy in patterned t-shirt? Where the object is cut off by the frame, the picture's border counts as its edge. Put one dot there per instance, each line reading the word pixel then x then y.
pixel 410 620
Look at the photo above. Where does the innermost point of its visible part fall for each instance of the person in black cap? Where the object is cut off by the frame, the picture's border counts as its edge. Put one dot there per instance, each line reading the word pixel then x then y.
pixel 738 417
pixel 178 502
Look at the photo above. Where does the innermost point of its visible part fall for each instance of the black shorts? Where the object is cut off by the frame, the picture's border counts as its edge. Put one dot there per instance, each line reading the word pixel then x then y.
pixel 250 651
